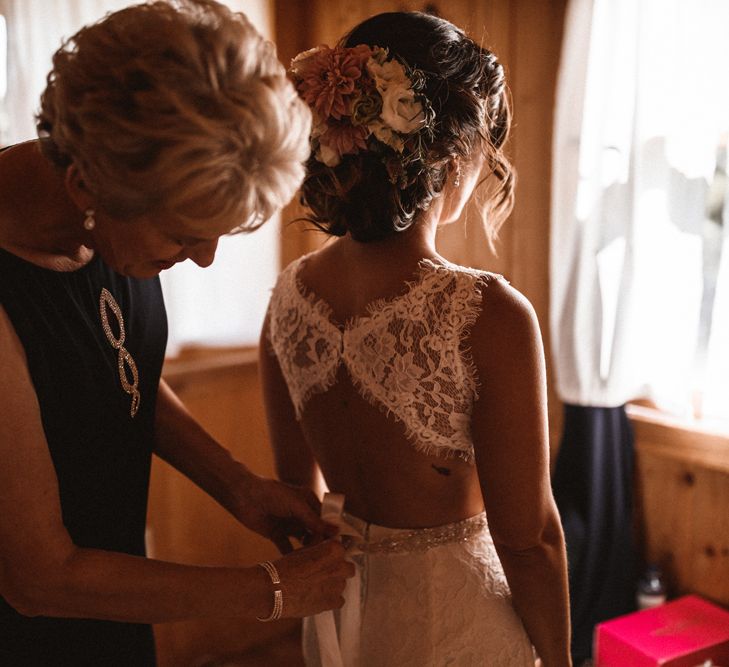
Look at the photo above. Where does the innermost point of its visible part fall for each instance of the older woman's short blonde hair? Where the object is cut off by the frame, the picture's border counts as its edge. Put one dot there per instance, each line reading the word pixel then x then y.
pixel 177 106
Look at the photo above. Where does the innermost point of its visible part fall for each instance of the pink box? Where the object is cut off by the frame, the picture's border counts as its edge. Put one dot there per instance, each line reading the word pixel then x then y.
pixel 682 633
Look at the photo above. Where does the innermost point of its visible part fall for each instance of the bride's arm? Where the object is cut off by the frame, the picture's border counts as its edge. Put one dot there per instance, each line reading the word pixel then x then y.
pixel 295 462
pixel 512 455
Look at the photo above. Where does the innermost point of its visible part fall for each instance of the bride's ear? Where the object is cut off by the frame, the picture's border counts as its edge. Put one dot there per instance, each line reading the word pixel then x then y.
pixel 76 188
pixel 453 168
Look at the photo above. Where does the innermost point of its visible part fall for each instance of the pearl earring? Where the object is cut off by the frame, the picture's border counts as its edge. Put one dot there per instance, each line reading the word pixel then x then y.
pixel 457 179
pixel 89 221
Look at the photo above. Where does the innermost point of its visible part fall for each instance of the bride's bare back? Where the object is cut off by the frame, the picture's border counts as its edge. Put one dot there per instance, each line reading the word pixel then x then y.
pixel 364 454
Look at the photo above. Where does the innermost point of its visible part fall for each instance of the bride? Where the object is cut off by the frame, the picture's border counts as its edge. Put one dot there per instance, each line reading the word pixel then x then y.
pixel 416 387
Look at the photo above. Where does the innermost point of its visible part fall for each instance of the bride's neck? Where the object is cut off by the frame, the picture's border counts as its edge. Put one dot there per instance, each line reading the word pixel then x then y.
pixel 413 244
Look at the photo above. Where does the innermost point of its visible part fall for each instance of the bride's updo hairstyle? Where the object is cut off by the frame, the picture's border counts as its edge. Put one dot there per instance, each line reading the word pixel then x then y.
pixel 464 108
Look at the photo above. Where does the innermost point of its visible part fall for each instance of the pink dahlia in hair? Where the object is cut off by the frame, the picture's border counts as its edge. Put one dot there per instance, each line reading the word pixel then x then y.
pixel 327 78
pixel 341 139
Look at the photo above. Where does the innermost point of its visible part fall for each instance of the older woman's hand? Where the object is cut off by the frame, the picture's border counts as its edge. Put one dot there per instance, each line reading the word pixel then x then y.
pixel 280 511
pixel 313 579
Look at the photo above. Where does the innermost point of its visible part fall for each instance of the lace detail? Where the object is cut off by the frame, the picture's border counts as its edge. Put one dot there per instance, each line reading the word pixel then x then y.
pixel 405 356
pixel 303 338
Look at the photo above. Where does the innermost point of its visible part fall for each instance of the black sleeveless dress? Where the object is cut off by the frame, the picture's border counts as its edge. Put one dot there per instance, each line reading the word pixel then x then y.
pixel 95 343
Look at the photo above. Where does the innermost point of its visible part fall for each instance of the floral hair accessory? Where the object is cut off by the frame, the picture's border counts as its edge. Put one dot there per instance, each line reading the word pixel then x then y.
pixel 364 100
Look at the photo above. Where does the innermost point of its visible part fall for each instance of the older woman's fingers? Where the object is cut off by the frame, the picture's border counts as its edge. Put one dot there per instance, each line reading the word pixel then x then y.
pixel 282 542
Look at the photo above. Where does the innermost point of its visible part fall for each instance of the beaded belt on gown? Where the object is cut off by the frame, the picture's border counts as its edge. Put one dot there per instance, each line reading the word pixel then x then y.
pixel 414 539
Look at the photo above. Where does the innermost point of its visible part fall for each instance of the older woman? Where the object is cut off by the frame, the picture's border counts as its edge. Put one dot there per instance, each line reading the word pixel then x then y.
pixel 162 127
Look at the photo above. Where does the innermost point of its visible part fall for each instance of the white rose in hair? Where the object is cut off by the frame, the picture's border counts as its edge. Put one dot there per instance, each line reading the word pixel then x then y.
pixel 387 74
pixel 386 135
pixel 400 110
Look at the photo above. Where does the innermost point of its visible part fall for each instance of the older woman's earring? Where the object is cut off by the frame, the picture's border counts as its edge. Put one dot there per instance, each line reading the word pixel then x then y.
pixel 89 221
pixel 457 179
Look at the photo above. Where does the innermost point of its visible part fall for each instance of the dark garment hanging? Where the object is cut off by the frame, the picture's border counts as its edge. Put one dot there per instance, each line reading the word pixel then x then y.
pixel 593 488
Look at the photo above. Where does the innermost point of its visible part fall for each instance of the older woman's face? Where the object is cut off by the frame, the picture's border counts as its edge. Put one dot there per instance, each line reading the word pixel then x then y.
pixel 144 246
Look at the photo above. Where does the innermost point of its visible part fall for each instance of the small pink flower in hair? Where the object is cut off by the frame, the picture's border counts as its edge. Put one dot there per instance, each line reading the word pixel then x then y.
pixel 327 77
pixel 341 139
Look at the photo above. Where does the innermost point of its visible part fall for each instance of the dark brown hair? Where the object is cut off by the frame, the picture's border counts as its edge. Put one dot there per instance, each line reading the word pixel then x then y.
pixel 466 88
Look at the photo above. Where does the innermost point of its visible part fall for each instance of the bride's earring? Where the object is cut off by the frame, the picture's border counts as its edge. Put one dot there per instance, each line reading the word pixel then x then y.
pixel 89 221
pixel 457 179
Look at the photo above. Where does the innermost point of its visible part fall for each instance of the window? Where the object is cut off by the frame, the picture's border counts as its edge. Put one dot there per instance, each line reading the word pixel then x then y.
pixel 3 76
pixel 640 247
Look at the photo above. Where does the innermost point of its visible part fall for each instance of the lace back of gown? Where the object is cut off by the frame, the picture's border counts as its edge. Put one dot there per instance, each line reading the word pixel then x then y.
pixel 406 355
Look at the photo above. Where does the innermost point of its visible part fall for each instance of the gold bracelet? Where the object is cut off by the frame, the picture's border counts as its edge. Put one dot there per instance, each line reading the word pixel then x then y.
pixel 277 594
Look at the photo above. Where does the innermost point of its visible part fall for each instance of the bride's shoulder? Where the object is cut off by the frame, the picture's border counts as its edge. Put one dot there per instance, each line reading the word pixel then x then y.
pixel 292 269
pixel 504 313
pixel 507 320
pixel 299 281
pixel 313 262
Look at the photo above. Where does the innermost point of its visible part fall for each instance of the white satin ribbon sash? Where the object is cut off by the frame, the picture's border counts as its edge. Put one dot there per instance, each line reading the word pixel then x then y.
pixel 341 650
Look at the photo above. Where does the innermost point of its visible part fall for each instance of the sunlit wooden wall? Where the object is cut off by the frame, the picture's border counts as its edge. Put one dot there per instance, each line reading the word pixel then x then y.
pixel 682 505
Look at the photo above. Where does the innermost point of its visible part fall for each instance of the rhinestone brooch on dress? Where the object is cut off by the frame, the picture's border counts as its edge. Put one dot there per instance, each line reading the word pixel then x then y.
pixel 124 360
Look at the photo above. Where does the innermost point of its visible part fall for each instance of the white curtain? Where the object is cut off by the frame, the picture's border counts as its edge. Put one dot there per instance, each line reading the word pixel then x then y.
pixel 716 394
pixel 222 305
pixel 642 114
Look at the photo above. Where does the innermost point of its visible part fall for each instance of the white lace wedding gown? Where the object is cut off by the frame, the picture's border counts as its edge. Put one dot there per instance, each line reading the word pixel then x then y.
pixel 423 597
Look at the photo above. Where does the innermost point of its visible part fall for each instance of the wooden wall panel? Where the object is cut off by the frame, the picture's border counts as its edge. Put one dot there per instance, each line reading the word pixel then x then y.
pixel 536 41
pixel 682 496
